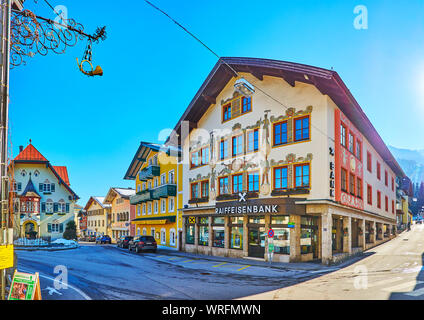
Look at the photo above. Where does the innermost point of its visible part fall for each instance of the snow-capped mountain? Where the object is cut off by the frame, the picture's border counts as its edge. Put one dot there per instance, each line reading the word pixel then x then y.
pixel 411 161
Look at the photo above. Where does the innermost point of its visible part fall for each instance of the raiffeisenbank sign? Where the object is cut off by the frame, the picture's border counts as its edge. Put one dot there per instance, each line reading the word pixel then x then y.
pixel 245 207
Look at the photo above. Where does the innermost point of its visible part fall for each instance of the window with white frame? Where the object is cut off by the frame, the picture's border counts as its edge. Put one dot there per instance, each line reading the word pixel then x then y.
pixel 144 231
pixel 172 237
pixel 138 231
pixel 152 232
pixel 171 178
pixel 156 207
pixel 155 182
pixel 49 206
pixel 139 188
pixel 163 236
pixel 163 205
pixel 144 209
pixel 149 208
pixel 138 209
pixel 171 204
pixel 55 227
pixel 163 179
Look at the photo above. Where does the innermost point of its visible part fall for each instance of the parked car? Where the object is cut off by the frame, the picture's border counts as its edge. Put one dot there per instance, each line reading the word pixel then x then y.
pixel 123 241
pixel 91 238
pixel 142 243
pixel 82 238
pixel 104 239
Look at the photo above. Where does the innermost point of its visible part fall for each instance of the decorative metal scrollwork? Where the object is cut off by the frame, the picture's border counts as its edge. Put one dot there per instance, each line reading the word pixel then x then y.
pixel 31 34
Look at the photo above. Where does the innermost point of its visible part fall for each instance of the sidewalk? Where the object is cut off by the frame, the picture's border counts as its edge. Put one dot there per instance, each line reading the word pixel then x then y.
pixel 300 266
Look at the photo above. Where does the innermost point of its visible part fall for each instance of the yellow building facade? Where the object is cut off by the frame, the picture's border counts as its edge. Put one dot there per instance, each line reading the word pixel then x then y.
pixel 158 198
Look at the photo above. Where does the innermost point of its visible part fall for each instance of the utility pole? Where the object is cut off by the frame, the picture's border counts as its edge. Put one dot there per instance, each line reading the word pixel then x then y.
pixel 6 228
pixel 23 34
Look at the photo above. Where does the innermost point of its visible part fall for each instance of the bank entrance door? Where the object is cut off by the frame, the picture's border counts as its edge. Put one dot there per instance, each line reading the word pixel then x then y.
pixel 257 236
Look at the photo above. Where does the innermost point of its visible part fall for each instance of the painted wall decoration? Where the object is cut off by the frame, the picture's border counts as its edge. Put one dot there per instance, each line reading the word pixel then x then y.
pixel 348 161
pixel 266 150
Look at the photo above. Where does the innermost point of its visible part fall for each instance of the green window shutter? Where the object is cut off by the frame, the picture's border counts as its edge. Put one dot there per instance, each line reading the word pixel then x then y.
pixel 55 207
pixel 41 187
pixel 43 207
pixel 61 228
pixel 52 188
pixel 67 208
pixel 49 227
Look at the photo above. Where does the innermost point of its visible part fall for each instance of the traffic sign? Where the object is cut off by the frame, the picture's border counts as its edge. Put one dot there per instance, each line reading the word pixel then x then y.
pixel 271 233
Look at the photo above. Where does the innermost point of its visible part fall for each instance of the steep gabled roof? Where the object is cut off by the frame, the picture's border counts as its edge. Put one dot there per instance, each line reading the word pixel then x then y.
pixel 30 153
pixel 62 171
pixel 328 82
pixel 141 156
pixel 122 192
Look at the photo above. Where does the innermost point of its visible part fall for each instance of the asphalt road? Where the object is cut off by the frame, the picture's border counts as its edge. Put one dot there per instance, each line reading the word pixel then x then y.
pixel 393 270
pixel 105 272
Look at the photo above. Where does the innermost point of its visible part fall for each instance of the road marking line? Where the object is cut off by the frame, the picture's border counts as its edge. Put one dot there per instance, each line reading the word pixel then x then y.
pixel 221 264
pixel 243 268
pixel 188 260
pixel 383 282
pixel 86 297
pixel 403 286
pixel 175 258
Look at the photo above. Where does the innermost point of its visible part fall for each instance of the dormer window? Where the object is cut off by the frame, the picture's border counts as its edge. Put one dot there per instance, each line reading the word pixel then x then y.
pixel 23 173
pixel 36 173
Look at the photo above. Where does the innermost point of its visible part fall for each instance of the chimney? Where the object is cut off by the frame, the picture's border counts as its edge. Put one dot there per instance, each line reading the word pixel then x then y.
pixel 21 148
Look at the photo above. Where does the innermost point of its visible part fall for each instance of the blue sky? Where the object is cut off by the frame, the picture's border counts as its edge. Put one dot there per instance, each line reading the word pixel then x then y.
pixel 152 68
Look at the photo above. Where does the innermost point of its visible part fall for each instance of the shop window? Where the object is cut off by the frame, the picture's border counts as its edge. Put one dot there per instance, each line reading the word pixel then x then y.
pixel 301 129
pixel 280 133
pixel 257 220
pixel 280 219
pixel 280 178
pixel 218 232
pixel 237 183
pixel 190 233
pixel 253 182
pixel 302 175
pixel 281 240
pixel 253 140
pixel 236 232
pixel 203 231
pixel 308 234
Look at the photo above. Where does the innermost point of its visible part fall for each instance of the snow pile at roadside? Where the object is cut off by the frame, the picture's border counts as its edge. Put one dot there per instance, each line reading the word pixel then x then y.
pixel 65 242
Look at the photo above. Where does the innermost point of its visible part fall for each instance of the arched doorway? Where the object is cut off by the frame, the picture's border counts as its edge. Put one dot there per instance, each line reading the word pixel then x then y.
pixel 30 228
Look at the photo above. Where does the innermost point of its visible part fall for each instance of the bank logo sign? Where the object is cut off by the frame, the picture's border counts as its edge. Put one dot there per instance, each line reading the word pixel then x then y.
pixel 244 209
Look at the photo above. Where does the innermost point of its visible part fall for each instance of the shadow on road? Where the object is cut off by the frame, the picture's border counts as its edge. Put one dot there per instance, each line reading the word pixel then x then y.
pixel 418 292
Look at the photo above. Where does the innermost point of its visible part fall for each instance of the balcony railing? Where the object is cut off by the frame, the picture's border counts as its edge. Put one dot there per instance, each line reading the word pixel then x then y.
pixel 164 191
pixel 149 172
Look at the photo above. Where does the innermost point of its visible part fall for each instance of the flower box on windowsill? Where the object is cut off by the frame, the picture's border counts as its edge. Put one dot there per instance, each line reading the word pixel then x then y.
pixel 287 192
pixel 230 196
